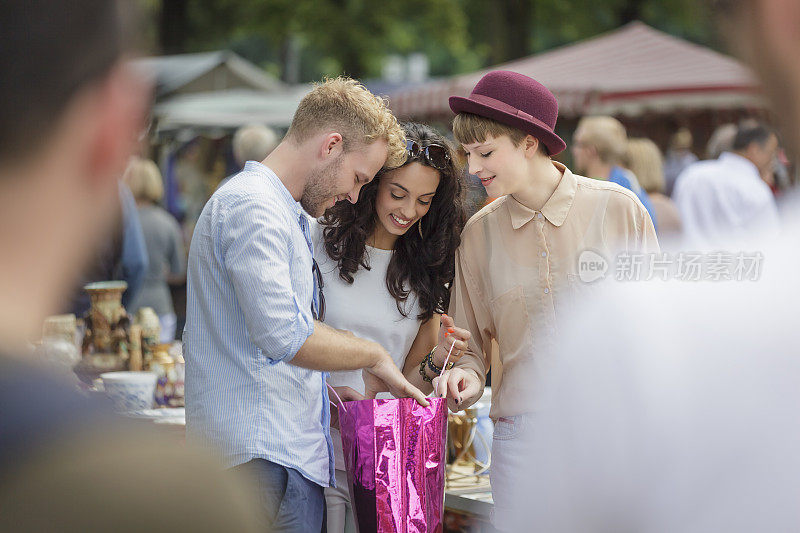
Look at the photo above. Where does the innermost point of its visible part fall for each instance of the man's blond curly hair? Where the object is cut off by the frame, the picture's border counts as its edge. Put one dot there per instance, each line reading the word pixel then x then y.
pixel 347 107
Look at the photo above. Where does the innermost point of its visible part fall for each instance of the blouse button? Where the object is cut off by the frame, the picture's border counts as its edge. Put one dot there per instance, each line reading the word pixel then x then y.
pixel 546 290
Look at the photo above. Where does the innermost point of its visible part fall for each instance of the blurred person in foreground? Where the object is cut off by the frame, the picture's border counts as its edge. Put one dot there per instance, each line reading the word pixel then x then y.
pixel 164 240
pixel 519 256
pixel 70 112
pixel 679 156
pixel 257 354
pixel 726 199
pixel 644 159
pixel 598 148
pixel 696 430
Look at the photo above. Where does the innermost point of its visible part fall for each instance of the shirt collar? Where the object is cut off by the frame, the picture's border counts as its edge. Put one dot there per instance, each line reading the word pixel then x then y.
pixel 255 166
pixel 557 206
pixel 730 158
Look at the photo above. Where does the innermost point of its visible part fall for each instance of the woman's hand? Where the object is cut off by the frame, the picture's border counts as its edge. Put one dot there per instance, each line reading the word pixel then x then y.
pixel 450 335
pixel 461 387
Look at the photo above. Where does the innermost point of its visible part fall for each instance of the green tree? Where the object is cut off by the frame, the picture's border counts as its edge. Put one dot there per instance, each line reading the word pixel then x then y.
pixel 349 36
pixel 302 40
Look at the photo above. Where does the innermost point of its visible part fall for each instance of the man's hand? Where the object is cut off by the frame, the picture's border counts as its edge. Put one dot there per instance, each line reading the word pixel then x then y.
pixel 385 376
pixel 462 388
pixel 346 394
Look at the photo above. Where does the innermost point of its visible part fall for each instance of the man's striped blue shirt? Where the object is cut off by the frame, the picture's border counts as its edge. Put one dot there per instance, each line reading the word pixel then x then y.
pixel 250 294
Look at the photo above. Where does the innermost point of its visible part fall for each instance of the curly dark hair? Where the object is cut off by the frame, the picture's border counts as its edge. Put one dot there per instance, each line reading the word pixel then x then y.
pixel 424 265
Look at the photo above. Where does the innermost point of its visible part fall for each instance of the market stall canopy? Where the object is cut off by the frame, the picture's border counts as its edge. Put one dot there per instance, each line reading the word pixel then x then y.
pixel 630 71
pixel 205 72
pixel 217 91
pixel 229 109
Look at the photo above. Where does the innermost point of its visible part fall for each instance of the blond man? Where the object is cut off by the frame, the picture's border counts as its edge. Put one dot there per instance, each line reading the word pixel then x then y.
pixel 256 357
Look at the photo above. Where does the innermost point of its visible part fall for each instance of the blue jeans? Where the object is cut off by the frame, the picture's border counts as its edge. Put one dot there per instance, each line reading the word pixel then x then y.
pixel 289 502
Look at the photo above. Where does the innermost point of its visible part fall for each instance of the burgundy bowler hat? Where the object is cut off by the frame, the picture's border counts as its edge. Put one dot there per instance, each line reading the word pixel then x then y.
pixel 515 100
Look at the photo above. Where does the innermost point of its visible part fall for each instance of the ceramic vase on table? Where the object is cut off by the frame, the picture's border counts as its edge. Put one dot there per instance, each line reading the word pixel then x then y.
pixel 106 341
pixel 147 321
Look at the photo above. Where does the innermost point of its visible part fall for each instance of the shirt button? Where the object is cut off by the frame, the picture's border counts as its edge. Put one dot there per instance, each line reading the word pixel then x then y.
pixel 539 216
pixel 544 254
pixel 546 290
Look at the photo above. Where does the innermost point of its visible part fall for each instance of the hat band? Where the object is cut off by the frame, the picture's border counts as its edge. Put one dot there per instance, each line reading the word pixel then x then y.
pixel 511 110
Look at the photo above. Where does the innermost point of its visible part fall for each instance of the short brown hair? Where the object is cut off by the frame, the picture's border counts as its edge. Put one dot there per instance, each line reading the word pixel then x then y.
pixel 52 51
pixel 358 115
pixel 469 128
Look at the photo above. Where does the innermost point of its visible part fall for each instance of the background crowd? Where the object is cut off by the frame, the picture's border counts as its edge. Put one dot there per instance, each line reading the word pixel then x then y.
pixel 689 212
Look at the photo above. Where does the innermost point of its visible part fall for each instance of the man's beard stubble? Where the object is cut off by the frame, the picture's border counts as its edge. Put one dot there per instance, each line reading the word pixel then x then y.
pixel 320 188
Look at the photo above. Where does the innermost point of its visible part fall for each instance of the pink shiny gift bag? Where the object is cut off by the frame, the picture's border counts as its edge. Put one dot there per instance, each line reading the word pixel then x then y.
pixel 395 452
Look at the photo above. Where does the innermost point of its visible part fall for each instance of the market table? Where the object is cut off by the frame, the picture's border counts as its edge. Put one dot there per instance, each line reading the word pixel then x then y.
pixel 468 501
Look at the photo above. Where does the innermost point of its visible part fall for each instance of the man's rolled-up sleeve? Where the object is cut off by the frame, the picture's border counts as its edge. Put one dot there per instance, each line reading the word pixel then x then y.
pixel 257 259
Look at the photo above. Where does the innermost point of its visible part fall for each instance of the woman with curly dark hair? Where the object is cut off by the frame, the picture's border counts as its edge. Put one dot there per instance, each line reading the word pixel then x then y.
pixel 386 264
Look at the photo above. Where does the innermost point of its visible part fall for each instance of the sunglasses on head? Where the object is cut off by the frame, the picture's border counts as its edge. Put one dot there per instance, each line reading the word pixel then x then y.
pixel 435 154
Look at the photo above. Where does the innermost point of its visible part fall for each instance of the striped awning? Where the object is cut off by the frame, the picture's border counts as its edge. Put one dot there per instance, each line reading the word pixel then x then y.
pixel 629 71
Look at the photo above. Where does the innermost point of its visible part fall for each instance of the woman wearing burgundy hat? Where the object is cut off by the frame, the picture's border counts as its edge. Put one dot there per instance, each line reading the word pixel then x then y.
pixel 518 258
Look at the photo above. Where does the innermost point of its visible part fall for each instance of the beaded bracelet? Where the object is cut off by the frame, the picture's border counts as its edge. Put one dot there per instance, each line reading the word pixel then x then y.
pixel 435 369
pixel 428 360
pixel 422 370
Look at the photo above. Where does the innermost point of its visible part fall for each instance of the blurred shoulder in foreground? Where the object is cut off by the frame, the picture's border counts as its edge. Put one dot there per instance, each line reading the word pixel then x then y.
pixel 672 406
pixel 67 465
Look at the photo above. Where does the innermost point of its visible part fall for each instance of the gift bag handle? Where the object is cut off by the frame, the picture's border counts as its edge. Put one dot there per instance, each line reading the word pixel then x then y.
pixel 444 368
pixel 340 404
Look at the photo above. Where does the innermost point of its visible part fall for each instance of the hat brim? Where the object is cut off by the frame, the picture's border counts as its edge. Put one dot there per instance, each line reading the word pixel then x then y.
pixel 554 143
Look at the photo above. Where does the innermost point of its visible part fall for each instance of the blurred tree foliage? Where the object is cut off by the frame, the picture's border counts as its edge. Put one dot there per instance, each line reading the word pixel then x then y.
pixel 303 40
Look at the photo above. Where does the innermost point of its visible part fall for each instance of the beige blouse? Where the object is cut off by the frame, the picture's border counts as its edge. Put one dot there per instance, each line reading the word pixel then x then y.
pixel 517 274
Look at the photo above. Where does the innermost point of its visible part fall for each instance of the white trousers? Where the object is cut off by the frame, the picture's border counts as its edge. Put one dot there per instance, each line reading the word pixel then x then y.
pixel 508 460
pixel 340 512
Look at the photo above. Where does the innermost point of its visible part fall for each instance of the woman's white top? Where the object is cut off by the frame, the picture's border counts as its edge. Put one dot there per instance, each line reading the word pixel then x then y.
pixel 367 310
